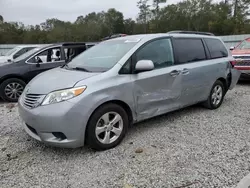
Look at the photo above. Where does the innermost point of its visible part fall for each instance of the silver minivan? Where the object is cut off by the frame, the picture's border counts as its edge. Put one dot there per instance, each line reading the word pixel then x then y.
pixel 95 98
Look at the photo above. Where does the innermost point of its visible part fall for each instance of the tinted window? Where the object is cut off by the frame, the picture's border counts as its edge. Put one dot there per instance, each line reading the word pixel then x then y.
pixel 72 52
pixel 216 48
pixel 189 50
pixel 126 69
pixel 159 51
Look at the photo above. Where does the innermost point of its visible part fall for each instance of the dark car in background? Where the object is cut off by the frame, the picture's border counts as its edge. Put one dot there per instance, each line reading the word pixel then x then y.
pixel 15 75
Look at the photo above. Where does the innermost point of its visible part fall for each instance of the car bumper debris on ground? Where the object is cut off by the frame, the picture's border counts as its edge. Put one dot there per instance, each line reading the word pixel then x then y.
pixel 193 147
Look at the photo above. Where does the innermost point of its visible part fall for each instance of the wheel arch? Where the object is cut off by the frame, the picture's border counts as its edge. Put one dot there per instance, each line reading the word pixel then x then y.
pixel 121 103
pixel 225 82
pixel 12 76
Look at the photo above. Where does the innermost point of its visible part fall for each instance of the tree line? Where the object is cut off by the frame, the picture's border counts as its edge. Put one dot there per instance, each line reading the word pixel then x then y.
pixel 221 18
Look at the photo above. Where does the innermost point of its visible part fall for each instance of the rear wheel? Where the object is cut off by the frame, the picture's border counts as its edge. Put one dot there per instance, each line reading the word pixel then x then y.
pixel 216 96
pixel 107 127
pixel 11 89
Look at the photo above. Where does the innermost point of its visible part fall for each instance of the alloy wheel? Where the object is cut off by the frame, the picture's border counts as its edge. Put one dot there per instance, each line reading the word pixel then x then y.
pixel 13 90
pixel 109 128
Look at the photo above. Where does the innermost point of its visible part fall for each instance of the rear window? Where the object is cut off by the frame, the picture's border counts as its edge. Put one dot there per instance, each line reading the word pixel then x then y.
pixel 189 50
pixel 216 48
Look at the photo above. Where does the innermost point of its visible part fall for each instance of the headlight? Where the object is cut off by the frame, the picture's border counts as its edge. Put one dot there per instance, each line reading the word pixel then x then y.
pixel 63 95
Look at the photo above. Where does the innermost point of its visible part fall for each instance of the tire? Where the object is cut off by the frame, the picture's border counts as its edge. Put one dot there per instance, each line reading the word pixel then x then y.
pixel 97 122
pixel 210 103
pixel 9 85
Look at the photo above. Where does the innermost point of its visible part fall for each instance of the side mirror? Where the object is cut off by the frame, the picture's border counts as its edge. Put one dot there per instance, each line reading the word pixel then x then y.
pixel 232 48
pixel 144 65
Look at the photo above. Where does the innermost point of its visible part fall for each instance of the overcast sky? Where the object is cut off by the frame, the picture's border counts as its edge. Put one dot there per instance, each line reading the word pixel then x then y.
pixel 37 11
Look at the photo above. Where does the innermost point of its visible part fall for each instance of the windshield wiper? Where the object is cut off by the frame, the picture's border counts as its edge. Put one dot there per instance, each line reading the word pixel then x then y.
pixel 81 69
pixel 66 66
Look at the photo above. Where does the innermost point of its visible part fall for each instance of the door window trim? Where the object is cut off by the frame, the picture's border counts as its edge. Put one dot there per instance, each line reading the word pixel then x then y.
pixel 176 55
pixel 42 50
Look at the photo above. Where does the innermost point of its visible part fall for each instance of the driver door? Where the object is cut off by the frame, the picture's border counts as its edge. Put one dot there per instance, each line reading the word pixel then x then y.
pixel 157 91
pixel 45 60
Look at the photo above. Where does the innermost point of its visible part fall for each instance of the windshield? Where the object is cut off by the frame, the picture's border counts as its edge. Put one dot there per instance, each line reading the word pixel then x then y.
pixel 13 50
pixel 103 56
pixel 27 54
pixel 244 45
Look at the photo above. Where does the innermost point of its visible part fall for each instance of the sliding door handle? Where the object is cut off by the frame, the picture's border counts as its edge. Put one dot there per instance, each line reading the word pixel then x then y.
pixel 185 71
pixel 175 73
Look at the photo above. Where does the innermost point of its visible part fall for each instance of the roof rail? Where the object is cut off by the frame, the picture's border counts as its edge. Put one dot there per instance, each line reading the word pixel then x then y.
pixel 114 36
pixel 191 32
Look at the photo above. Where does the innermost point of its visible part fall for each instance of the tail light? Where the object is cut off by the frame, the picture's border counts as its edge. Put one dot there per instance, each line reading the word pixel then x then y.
pixel 233 62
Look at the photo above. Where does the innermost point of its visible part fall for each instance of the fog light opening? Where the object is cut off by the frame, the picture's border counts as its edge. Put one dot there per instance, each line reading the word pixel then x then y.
pixel 59 135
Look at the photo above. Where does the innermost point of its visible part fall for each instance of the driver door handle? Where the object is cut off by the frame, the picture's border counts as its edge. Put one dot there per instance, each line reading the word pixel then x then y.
pixel 175 73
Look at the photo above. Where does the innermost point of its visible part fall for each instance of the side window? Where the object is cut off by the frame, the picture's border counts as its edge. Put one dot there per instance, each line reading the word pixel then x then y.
pixel 216 48
pixel 189 50
pixel 127 68
pixel 47 56
pixel 72 52
pixel 159 51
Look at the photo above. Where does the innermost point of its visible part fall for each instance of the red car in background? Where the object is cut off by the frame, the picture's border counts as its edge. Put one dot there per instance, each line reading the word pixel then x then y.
pixel 241 53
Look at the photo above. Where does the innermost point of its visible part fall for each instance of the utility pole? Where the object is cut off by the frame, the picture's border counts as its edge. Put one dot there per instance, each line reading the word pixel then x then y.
pixel 235 16
pixel 235 8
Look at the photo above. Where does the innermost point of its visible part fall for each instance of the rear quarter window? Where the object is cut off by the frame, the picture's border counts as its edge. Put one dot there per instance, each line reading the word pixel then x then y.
pixel 216 48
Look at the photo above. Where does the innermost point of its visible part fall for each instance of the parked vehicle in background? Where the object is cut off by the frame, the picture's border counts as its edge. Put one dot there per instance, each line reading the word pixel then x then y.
pixel 16 52
pixel 241 53
pixel 15 75
pixel 114 36
pixel 94 98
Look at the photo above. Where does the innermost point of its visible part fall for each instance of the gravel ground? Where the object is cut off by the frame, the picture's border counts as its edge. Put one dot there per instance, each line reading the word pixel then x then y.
pixel 194 147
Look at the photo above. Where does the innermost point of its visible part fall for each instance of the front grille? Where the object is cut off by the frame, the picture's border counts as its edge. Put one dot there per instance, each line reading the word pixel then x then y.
pixel 242 57
pixel 32 100
pixel 243 63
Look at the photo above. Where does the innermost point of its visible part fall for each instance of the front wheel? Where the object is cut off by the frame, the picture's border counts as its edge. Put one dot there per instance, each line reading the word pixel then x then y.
pixel 107 127
pixel 216 96
pixel 11 89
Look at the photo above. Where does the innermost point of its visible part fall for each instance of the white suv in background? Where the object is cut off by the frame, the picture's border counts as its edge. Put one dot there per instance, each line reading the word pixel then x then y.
pixel 16 52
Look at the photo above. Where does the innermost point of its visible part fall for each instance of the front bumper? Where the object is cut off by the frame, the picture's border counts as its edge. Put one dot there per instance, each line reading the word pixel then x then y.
pixel 61 124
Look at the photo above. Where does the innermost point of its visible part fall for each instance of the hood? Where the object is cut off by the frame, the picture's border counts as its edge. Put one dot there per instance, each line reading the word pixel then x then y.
pixel 240 51
pixel 56 79
pixel 4 59
pixel 6 64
